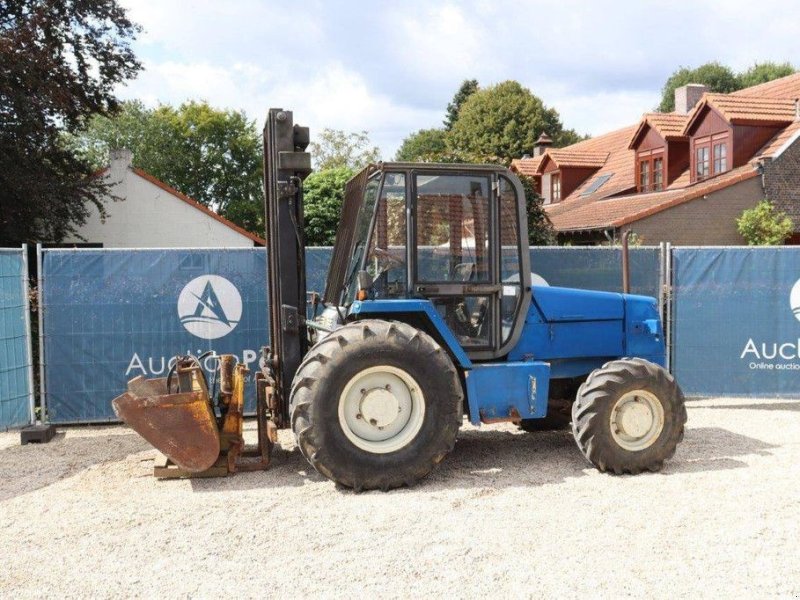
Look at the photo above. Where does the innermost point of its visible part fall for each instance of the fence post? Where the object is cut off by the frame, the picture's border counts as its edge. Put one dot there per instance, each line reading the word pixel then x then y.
pixel 670 299
pixel 28 334
pixel 39 296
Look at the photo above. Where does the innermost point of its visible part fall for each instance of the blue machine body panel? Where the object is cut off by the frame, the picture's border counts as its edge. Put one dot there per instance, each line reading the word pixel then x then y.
pixel 507 389
pixel 566 333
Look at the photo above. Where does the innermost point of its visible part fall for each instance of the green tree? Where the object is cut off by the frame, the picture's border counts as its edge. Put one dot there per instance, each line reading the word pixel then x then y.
pixel 323 195
pixel 763 72
pixel 467 88
pixel 426 145
pixel 334 148
pixel 540 229
pixel 717 77
pixel 502 122
pixel 764 225
pixel 59 65
pixel 211 155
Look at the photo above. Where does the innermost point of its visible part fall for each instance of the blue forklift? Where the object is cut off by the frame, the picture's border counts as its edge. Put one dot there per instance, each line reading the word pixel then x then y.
pixel 428 315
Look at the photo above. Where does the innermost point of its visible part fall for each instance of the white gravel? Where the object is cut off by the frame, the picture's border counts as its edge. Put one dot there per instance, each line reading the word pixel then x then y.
pixel 507 514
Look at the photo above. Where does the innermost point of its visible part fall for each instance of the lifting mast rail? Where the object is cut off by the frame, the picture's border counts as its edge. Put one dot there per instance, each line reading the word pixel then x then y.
pixel 286 164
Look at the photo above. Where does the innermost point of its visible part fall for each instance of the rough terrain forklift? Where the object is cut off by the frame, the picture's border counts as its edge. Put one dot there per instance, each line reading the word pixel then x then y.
pixel 428 315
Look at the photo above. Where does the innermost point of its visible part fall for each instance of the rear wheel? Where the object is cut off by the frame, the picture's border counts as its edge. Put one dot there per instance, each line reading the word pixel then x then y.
pixel 376 405
pixel 629 416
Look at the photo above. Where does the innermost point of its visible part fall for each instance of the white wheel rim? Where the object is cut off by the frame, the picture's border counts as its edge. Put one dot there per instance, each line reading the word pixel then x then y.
pixel 637 420
pixel 381 409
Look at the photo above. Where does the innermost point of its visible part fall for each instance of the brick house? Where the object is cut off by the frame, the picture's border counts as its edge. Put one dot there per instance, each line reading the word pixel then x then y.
pixel 681 177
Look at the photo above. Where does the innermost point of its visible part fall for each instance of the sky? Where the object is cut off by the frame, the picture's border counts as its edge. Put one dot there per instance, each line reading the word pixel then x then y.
pixel 390 68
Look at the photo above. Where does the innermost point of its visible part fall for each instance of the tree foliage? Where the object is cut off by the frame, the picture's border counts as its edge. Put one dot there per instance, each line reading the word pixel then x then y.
pixel 211 155
pixel 540 229
pixel 334 148
pixel 721 79
pixel 426 145
pixel 59 65
pixel 323 195
pixel 502 122
pixel 763 72
pixel 764 225
pixel 467 88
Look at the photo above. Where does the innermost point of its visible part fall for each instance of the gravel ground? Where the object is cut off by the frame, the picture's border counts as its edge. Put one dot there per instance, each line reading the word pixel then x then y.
pixel 507 513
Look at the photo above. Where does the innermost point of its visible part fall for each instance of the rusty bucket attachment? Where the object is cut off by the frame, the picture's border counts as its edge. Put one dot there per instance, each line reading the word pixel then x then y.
pixel 179 418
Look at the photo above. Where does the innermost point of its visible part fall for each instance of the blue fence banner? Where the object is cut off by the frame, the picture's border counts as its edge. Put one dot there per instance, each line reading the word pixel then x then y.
pixel 110 315
pixel 598 268
pixel 737 321
pixel 16 375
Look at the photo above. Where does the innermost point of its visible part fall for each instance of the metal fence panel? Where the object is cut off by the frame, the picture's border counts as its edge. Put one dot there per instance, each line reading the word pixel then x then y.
pixel 16 393
pixel 597 268
pixel 110 315
pixel 737 321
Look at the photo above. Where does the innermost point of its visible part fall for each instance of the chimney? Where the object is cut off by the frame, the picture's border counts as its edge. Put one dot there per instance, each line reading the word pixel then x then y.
pixel 687 96
pixel 542 144
pixel 797 109
pixel 120 160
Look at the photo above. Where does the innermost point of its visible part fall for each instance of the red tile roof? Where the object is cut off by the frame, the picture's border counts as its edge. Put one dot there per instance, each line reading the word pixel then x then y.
pixel 745 109
pixel 195 204
pixel 785 87
pixel 574 157
pixel 668 125
pixel 614 204
pixel 526 166
pixel 619 166
pixel 616 212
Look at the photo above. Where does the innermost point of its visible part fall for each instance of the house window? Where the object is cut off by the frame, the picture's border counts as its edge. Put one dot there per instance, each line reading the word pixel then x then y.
pixel 658 174
pixel 702 167
pixel 651 170
pixel 644 175
pixel 555 187
pixel 720 157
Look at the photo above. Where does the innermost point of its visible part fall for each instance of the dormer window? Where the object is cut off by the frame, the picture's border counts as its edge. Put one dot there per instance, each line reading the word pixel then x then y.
pixel 555 187
pixel 710 156
pixel 651 170
pixel 701 167
pixel 727 129
pixel 658 174
pixel 720 157
pixel 662 151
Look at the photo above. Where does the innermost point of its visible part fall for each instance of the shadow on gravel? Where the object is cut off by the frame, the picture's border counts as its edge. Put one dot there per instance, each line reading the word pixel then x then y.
pixel 25 469
pixel 501 459
pixel 714 449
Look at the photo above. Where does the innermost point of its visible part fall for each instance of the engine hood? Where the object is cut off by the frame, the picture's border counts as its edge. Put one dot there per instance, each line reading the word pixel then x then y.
pixel 565 304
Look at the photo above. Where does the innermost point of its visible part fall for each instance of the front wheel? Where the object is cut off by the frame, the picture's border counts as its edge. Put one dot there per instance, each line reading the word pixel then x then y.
pixel 376 405
pixel 629 416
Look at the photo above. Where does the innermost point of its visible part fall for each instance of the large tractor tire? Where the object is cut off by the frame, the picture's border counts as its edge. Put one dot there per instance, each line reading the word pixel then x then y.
pixel 629 416
pixel 376 405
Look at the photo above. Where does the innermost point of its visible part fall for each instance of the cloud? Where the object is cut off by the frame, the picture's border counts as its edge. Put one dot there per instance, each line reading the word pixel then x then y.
pixel 392 68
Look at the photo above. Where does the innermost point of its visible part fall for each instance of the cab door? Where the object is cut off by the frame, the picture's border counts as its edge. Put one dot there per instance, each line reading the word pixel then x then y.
pixel 461 259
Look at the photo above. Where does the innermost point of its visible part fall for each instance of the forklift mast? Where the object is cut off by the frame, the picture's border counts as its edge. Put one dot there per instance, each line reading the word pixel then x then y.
pixel 286 164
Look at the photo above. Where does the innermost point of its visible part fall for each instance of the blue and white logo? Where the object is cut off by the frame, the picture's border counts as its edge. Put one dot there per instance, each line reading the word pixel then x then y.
pixel 794 299
pixel 210 307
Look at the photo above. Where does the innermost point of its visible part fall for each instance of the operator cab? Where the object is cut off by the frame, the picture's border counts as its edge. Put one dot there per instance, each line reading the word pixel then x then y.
pixel 450 234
